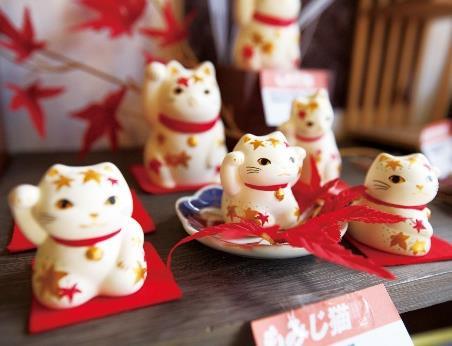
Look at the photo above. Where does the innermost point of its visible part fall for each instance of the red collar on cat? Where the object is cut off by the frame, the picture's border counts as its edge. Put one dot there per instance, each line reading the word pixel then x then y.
pixel 275 21
pixel 85 242
pixel 308 139
pixel 379 201
pixel 266 187
pixel 186 126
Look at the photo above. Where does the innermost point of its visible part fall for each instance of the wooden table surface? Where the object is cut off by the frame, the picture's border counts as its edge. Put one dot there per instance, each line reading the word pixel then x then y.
pixel 222 293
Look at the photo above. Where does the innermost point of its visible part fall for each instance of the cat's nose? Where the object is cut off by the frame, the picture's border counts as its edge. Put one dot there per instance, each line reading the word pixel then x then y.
pixel 94 215
pixel 420 187
pixel 310 123
pixel 192 102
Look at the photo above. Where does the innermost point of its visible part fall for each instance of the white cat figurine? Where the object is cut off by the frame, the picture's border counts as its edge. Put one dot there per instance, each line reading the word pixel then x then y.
pixel 187 142
pixel 400 185
pixel 310 127
pixel 88 243
pixel 257 179
pixel 269 35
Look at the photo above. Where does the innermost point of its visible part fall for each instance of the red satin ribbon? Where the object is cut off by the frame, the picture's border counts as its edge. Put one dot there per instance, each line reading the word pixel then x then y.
pixel 308 139
pixel 266 187
pixel 185 126
pixel 379 201
pixel 85 242
pixel 275 21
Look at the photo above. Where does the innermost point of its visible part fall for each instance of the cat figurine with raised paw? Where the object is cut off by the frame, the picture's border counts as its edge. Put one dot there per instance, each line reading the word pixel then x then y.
pixel 310 127
pixel 400 185
pixel 80 219
pixel 187 143
pixel 269 34
pixel 257 179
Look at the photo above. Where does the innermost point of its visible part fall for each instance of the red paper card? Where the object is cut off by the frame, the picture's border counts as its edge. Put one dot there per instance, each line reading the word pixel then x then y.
pixel 366 317
pixel 20 243
pixel 440 250
pixel 139 173
pixel 159 287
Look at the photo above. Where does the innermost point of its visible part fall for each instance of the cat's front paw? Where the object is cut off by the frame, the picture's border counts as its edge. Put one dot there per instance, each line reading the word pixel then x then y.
pixel 235 158
pixel 24 197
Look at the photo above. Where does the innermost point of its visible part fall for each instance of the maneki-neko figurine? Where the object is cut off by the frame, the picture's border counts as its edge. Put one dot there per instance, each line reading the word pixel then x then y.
pixel 257 179
pixel 88 244
pixel 310 127
pixel 187 143
pixel 400 185
pixel 268 35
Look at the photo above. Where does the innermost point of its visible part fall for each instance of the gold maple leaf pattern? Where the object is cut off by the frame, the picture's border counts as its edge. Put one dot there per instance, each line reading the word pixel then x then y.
pixel 48 281
pixel 232 212
pixel 399 239
pixel 62 181
pixel 418 247
pixel 274 142
pixel 140 272
pixel 197 78
pixel 257 143
pixel 91 174
pixel 393 164
pixel 250 214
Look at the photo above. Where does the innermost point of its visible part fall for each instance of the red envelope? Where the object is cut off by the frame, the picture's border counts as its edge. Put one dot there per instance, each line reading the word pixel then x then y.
pixel 440 250
pixel 159 287
pixel 139 173
pixel 20 243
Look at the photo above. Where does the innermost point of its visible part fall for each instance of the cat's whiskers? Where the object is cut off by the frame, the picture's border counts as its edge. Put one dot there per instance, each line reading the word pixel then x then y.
pixel 46 218
pixel 381 182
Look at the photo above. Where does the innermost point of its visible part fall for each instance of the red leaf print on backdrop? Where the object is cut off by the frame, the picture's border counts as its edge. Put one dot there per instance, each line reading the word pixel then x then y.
pixel 21 41
pixel 101 118
pixel 174 31
pixel 28 98
pixel 117 16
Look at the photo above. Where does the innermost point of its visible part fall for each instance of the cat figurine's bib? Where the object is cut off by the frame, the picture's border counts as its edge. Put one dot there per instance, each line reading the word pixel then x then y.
pixel 310 127
pixel 187 143
pixel 400 185
pixel 268 36
pixel 80 219
pixel 257 179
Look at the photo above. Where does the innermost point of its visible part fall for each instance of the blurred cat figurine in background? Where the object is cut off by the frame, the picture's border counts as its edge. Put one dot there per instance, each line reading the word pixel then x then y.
pixel 310 127
pixel 88 243
pixel 400 185
pixel 257 179
pixel 187 142
pixel 269 35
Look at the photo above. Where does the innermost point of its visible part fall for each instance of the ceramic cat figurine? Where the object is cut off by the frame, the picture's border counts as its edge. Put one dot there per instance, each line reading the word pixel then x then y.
pixel 187 142
pixel 88 243
pixel 269 35
pixel 401 185
pixel 310 127
pixel 257 179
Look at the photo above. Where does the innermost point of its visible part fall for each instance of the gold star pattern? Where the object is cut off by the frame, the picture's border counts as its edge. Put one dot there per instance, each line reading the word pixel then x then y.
pixel 250 214
pixel 63 181
pixel 383 158
pixel 120 265
pixel 256 38
pixel 91 174
pixel 231 211
pixel 207 71
pixel 140 273
pixel 393 164
pixel 267 48
pixel 49 281
pixel 399 239
pixel 192 141
pixel 53 172
pixel 197 78
pixel 257 143
pixel 246 139
pixel 174 71
pixel 279 194
pixel 297 213
pixel 274 142
pixel 418 247
pixel 180 159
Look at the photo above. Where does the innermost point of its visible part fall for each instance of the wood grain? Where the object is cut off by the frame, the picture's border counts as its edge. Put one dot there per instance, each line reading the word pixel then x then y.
pixel 222 293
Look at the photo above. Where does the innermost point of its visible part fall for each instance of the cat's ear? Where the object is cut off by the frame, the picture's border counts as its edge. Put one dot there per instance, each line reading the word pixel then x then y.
pixel 299 103
pixel 109 169
pixel 278 135
pixel 383 157
pixel 321 92
pixel 207 69
pixel 156 72
pixel 54 171
pixel 175 69
pixel 299 153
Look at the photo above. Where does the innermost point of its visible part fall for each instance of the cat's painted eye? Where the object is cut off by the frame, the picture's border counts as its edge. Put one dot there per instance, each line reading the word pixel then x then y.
pixel 111 200
pixel 396 179
pixel 207 91
pixel 291 159
pixel 64 204
pixel 178 90
pixel 263 161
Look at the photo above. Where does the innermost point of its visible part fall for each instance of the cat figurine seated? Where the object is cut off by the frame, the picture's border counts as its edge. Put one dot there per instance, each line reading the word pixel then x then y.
pixel 400 185
pixel 88 243
pixel 187 141
pixel 257 179
pixel 268 36
pixel 310 127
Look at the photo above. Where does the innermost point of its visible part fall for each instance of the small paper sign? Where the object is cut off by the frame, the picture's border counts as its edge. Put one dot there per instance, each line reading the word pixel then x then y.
pixel 366 317
pixel 279 88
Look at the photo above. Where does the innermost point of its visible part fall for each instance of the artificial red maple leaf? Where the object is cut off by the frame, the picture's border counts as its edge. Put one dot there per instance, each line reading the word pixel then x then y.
pixel 343 198
pixel 149 57
pixel 102 120
pixel 174 31
pixel 117 16
pixel 21 41
pixel 29 97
